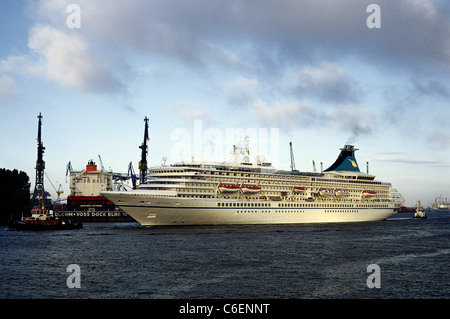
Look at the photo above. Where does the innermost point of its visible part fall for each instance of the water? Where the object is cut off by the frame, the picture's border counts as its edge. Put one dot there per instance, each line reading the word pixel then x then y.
pixel 125 260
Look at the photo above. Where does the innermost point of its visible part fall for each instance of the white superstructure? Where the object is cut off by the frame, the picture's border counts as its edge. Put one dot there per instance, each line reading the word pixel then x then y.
pixel 241 192
pixel 90 182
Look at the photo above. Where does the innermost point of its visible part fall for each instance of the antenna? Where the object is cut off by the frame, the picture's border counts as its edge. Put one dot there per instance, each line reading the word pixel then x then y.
pixel 292 158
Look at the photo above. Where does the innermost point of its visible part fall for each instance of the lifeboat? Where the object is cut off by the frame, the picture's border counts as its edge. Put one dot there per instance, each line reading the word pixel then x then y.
pixel 299 189
pixel 228 188
pixel 326 192
pixel 369 193
pixel 250 189
pixel 341 192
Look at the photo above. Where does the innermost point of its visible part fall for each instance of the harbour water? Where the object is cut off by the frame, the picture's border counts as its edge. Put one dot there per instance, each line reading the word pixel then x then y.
pixel 125 260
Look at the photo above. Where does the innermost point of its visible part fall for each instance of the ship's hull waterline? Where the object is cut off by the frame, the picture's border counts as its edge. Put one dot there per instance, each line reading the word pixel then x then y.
pixel 155 211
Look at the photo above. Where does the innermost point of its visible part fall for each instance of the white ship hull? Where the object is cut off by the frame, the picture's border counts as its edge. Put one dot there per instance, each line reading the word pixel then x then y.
pixel 150 210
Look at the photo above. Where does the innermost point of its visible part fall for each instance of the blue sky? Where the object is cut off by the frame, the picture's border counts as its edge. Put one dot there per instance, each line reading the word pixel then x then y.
pixel 207 72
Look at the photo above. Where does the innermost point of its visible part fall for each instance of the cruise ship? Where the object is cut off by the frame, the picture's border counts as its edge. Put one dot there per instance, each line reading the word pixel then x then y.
pixel 244 192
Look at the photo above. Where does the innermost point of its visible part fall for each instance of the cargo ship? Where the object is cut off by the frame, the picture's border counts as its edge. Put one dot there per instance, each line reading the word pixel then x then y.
pixel 244 192
pixel 441 205
pixel 85 202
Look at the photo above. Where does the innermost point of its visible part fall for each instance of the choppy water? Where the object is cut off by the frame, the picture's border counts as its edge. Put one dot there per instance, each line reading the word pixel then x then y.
pixel 125 260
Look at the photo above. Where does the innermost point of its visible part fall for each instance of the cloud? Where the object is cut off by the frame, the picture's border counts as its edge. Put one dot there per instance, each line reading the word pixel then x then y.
pixel 406 158
pixel 285 115
pixel 329 82
pixel 128 108
pixel 240 92
pixel 14 63
pixel 67 59
pixel 439 139
pixel 347 118
pixel 352 119
pixel 8 88
pixel 172 30
pixel 190 111
pixel 265 37
pixel 430 87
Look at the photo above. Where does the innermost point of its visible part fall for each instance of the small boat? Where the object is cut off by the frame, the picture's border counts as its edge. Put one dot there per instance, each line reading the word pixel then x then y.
pixel 228 188
pixel 299 189
pixel 341 192
pixel 42 219
pixel 369 193
pixel 250 188
pixel 420 213
pixel 326 192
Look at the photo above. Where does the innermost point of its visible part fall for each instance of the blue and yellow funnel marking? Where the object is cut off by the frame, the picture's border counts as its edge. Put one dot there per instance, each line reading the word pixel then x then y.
pixel 346 160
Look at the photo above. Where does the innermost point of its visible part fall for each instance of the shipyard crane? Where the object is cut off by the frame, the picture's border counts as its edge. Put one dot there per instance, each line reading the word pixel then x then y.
pixel 144 150
pixel 69 168
pixel 58 191
pixel 132 175
pixel 40 167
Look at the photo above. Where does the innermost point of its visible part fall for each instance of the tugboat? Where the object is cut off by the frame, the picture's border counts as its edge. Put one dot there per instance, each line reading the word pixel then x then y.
pixel 420 213
pixel 42 219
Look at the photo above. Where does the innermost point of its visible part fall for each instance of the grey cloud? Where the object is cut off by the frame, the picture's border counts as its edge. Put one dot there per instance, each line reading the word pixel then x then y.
pixel 267 35
pixel 439 139
pixel 263 39
pixel 128 108
pixel 328 82
pixel 240 92
pixel 431 87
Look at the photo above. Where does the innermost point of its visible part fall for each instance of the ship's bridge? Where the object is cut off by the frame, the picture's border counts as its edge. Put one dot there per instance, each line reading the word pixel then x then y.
pixel 350 175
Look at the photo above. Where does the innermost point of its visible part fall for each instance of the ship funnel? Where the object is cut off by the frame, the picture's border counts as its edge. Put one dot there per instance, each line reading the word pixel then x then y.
pixel 346 160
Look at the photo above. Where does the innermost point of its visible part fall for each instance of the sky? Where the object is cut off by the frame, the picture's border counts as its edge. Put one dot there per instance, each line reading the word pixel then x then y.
pixel 319 74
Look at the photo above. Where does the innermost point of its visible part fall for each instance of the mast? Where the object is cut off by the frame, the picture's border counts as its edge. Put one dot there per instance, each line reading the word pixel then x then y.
pixel 40 166
pixel 292 158
pixel 144 150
